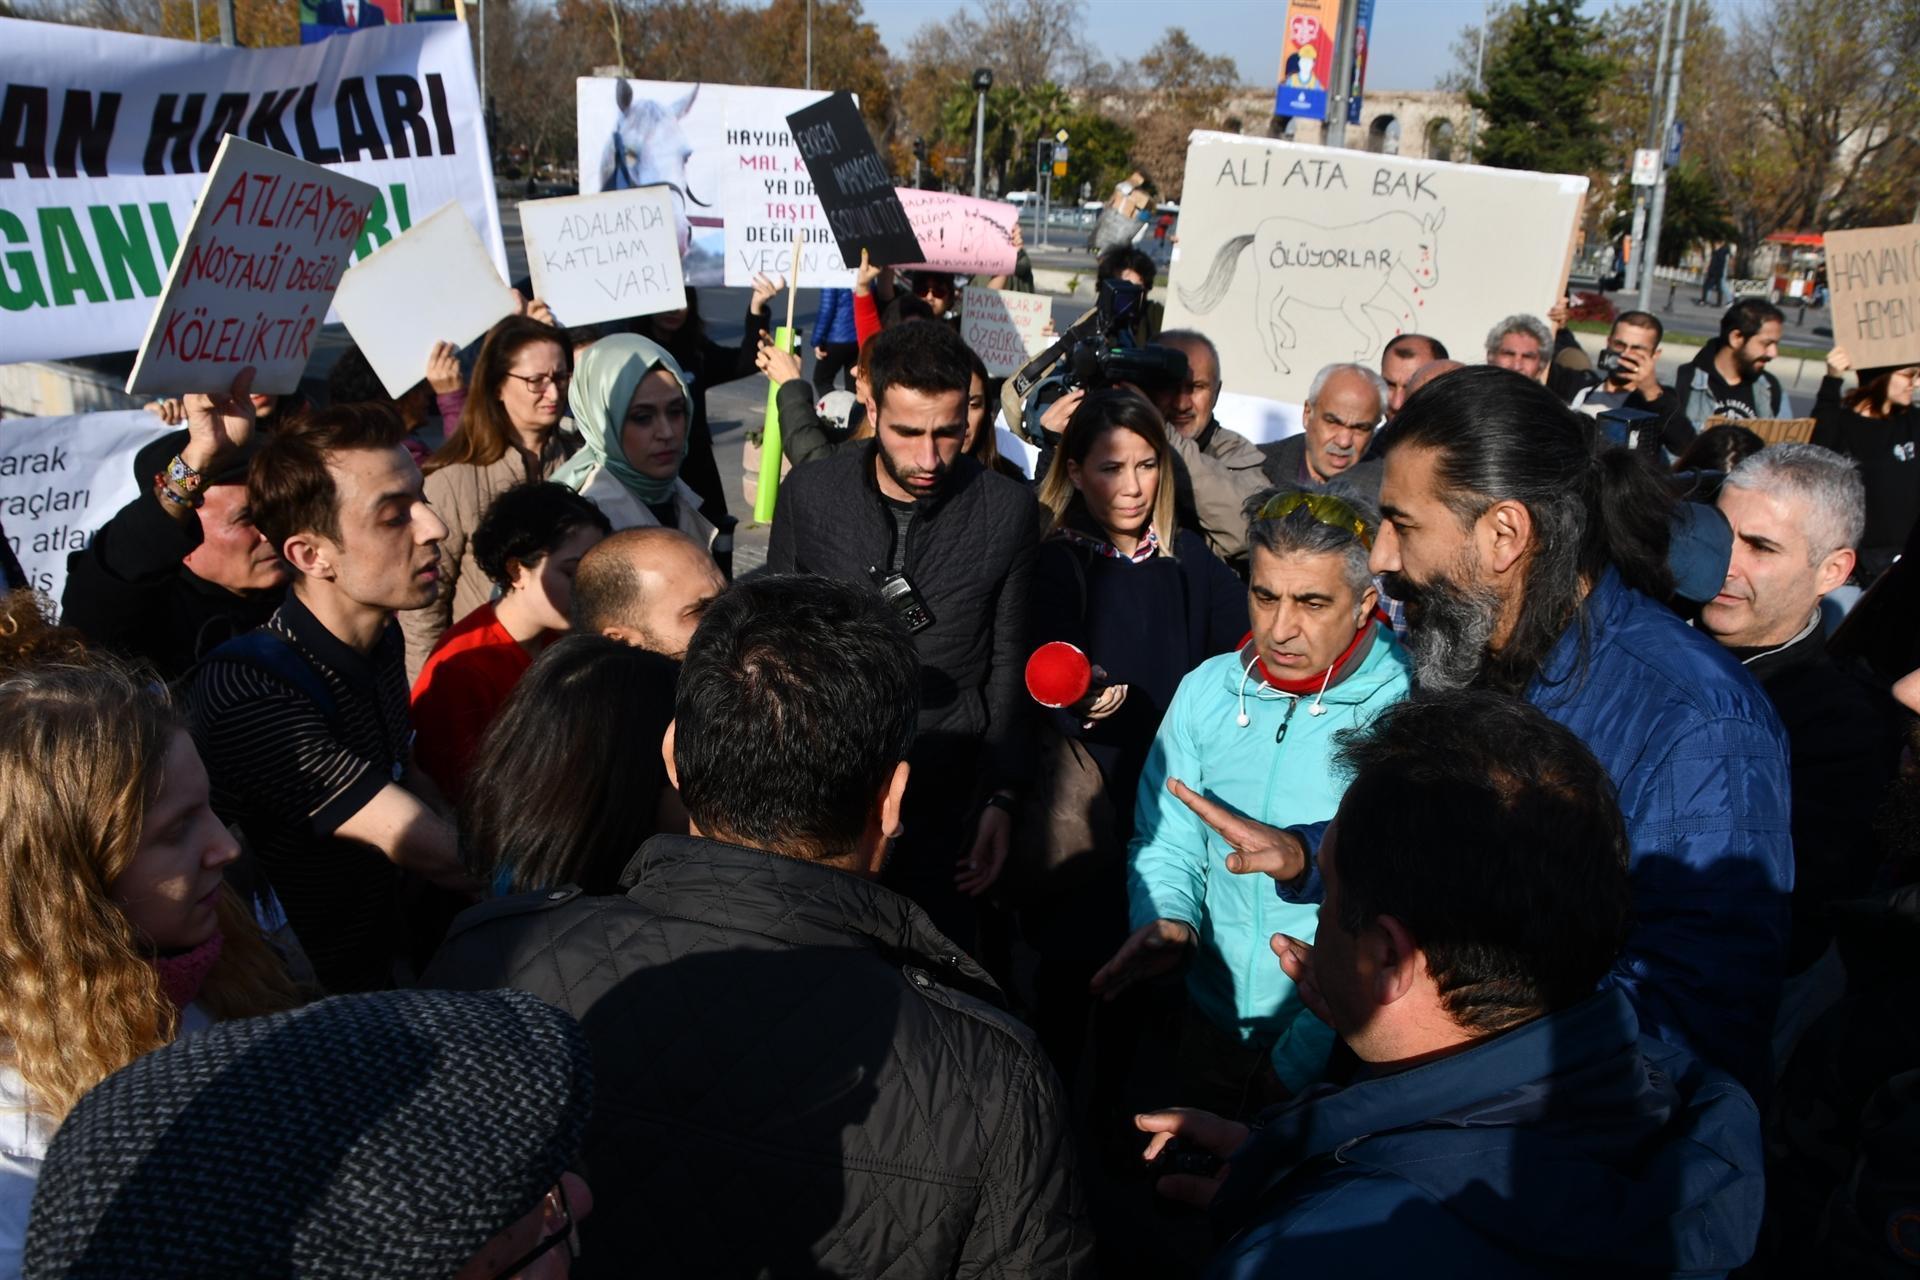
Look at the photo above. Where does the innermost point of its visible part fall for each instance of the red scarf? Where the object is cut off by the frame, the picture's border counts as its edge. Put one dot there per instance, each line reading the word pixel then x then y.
pixel 1343 666
pixel 182 976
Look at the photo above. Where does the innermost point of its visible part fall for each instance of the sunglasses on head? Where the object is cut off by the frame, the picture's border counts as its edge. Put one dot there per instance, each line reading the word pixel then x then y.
pixel 1324 508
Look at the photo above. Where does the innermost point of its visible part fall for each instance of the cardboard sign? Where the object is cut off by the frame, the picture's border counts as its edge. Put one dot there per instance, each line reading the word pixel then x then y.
pixel 959 233
pixel 1294 257
pixel 264 252
pixel 1005 329
pixel 1770 430
pixel 117 132
pixel 852 182
pixel 61 479
pixel 1875 278
pixel 434 284
pixel 767 196
pixel 604 257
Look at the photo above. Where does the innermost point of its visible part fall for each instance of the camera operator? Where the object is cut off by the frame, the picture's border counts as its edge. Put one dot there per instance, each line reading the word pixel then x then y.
pixel 950 545
pixel 1631 380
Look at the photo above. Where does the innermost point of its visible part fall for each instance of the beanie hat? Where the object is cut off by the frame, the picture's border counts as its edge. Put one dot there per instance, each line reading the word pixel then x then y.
pixel 387 1135
pixel 1700 550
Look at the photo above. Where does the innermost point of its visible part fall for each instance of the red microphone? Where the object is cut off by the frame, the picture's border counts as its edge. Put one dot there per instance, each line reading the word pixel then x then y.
pixel 1058 674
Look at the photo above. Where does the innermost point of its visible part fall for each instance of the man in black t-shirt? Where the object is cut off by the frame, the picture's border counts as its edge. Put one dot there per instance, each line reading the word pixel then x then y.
pixel 303 723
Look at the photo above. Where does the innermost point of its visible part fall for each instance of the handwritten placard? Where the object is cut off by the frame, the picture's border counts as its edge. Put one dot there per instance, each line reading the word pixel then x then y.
pixel 1875 277
pixel 604 257
pixel 767 196
pixel 1004 329
pixel 436 283
pixel 959 233
pixel 852 183
pixel 266 249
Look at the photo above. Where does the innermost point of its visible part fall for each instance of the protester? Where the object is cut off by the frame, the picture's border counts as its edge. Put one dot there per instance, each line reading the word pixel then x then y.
pixel 764 1014
pixel 402 1134
pixel 568 781
pixel 181 569
pixel 1344 404
pixel 835 345
pixel 529 544
pixel 1522 343
pixel 508 435
pixel 1877 427
pixel 1797 511
pixel 951 546
pixel 645 587
pixel 1729 378
pixel 1719 449
pixel 1235 736
pixel 1531 564
pixel 1223 467
pixel 1632 380
pixel 1402 357
pixel 1147 602
pixel 117 932
pixel 29 636
pixel 303 723
pixel 1714 279
pixel 1508 1120
pixel 631 402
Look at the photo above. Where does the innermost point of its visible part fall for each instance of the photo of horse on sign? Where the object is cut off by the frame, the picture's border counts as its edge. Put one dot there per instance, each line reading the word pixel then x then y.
pixel 649 148
pixel 1371 272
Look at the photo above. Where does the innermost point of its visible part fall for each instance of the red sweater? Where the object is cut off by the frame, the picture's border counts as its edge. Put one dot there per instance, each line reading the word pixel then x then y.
pixel 461 688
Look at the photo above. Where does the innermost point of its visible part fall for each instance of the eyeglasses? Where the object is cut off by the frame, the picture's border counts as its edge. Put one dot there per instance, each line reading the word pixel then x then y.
pixel 933 288
pixel 1324 508
pixel 568 1234
pixel 539 382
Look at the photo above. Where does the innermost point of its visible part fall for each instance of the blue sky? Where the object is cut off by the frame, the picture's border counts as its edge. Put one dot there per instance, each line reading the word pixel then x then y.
pixel 1412 39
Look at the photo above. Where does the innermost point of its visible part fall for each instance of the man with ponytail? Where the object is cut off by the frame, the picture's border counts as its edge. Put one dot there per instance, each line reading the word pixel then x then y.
pixel 1533 561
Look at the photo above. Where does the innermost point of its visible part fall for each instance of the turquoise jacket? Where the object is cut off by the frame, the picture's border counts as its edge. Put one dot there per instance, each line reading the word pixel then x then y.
pixel 1177 865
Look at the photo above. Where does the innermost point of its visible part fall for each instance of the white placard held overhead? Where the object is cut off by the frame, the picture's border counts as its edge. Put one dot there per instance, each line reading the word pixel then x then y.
pixel 1004 328
pixel 436 283
pixel 268 242
pixel 604 257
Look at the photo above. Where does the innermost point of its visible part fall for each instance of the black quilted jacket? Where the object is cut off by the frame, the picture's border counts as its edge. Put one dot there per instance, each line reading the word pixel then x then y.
pixel 970 551
pixel 795 1073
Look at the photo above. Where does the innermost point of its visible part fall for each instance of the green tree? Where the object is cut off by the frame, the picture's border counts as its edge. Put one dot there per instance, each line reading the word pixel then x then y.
pixel 1541 88
pixel 1695 213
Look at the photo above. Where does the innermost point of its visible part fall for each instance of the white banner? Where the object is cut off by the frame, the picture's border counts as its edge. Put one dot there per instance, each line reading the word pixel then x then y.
pixel 109 137
pixel 61 479
pixel 1293 257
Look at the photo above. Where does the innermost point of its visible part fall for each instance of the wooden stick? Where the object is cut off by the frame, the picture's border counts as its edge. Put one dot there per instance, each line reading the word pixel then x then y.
pixel 793 278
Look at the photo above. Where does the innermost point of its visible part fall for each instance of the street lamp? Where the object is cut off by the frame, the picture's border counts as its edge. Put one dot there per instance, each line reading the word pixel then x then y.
pixel 982 81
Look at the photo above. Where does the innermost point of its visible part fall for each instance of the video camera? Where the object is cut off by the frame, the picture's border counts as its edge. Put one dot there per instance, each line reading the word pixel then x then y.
pixel 1097 352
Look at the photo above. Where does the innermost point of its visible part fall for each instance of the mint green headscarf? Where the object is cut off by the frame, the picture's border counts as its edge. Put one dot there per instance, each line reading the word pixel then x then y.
pixel 604 378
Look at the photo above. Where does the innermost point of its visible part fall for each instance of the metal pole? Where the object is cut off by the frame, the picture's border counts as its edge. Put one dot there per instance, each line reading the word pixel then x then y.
pixel 1479 65
pixel 1637 263
pixel 482 5
pixel 809 44
pixel 1043 180
pixel 226 22
pixel 979 144
pixel 1660 184
pixel 1344 58
pixel 196 21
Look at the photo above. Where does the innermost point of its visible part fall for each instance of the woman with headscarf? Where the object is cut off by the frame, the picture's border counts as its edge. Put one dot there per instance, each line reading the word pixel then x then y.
pixel 631 403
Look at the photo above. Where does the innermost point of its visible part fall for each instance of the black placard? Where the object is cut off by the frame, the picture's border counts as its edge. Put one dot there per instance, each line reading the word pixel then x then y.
pixel 853 184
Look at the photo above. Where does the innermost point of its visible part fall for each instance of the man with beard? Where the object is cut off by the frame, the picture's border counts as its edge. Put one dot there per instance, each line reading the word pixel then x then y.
pixel 1729 378
pixel 1532 564
pixel 951 546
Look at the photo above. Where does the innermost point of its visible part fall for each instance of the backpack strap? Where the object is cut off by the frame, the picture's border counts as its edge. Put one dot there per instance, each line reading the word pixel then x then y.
pixel 267 650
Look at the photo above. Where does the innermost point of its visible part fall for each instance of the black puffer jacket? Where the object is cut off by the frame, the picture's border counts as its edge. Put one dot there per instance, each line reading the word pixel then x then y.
pixel 970 551
pixel 795 1074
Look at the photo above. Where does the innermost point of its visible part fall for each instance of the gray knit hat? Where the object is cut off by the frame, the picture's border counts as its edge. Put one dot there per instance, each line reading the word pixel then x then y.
pixel 381 1135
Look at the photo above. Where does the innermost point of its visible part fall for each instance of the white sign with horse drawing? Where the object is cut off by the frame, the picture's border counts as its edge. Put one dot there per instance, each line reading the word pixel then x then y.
pixel 1293 257
pixel 721 149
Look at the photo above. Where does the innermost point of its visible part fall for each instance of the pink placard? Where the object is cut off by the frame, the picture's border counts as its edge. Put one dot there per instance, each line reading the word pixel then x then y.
pixel 959 233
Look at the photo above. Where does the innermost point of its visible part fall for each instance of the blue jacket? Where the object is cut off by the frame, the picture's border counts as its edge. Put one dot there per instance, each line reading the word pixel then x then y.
pixel 1700 760
pixel 833 322
pixel 1177 865
pixel 1570 1146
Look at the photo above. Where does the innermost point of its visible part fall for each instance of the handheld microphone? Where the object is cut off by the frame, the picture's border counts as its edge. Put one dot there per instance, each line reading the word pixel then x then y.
pixel 1058 674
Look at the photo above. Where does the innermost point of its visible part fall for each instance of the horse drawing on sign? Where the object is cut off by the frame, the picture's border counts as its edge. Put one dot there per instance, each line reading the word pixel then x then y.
pixel 649 148
pixel 1354 269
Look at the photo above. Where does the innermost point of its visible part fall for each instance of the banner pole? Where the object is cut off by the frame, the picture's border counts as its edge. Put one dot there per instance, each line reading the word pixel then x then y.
pixel 767 487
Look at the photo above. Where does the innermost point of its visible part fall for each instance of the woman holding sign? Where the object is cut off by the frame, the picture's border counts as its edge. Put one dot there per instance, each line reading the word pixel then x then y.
pixel 1878 428
pixel 509 434
pixel 634 409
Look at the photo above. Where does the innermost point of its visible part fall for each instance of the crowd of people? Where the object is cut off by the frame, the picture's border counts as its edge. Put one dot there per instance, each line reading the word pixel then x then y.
pixel 1475 836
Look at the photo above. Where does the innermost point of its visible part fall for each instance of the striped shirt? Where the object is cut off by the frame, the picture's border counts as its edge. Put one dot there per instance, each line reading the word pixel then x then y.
pixel 289 771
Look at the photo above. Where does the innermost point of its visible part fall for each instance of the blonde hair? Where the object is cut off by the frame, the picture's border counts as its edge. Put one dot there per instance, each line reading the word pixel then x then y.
pixel 1100 413
pixel 81 757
